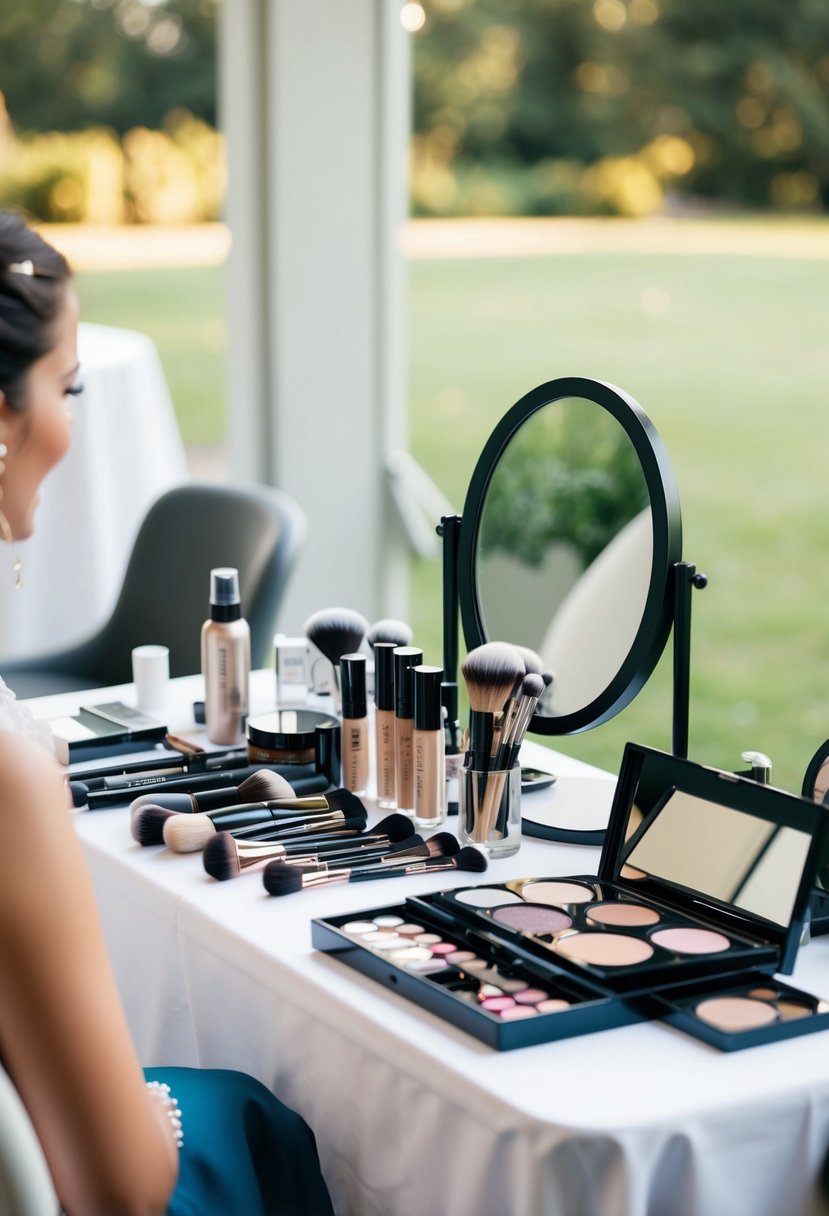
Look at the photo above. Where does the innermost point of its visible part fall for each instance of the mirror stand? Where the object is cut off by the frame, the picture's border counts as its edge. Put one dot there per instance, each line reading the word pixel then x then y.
pixel 685 580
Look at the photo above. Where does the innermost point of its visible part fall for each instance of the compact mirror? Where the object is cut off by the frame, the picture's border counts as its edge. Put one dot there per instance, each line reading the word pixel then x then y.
pixel 722 853
pixel 569 536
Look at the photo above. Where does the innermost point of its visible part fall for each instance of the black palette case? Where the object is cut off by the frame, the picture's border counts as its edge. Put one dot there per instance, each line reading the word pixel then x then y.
pixel 702 891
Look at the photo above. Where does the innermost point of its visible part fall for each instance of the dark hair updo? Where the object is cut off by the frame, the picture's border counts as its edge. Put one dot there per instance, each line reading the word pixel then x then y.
pixel 32 281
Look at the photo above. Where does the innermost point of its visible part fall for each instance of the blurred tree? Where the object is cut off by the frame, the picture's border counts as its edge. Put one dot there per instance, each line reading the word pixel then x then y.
pixel 70 64
pixel 727 101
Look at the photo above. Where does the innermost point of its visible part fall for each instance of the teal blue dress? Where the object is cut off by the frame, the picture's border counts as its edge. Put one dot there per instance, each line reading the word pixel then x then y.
pixel 244 1152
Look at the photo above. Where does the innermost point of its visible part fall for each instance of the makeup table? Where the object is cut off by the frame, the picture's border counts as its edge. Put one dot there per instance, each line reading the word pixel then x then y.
pixel 126 451
pixel 413 1117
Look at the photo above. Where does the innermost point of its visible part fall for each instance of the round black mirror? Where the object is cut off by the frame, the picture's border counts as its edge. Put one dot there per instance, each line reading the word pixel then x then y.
pixel 568 537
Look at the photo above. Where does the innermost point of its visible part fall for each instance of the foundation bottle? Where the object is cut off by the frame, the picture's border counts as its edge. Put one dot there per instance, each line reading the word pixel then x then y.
pixel 225 660
pixel 355 722
pixel 428 748
pixel 384 725
pixel 405 658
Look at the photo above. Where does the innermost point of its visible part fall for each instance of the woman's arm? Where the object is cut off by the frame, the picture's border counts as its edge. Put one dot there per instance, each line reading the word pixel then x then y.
pixel 63 1035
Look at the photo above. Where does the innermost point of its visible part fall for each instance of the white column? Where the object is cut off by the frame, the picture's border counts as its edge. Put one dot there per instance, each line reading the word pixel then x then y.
pixel 314 100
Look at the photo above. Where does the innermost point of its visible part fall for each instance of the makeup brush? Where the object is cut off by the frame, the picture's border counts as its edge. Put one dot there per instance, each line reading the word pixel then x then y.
pixel 260 786
pixel 189 833
pixel 532 687
pixel 147 815
pixel 402 853
pixel 490 672
pixel 335 632
pixel 282 879
pixel 119 790
pixel 390 630
pixel 223 859
pixel 226 857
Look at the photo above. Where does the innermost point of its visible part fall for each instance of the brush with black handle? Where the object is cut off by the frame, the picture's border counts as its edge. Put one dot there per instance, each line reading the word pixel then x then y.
pixel 225 856
pixel 283 879
pixel 189 833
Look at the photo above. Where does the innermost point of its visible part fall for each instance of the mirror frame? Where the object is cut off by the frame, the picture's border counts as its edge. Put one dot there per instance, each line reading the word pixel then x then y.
pixel 657 616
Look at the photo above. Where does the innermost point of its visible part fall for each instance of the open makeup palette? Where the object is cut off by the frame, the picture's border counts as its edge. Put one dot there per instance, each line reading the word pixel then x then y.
pixel 703 886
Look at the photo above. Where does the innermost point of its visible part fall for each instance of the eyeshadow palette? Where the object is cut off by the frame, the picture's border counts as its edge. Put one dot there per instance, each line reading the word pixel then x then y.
pixel 703 885
pixel 746 1014
pixel 474 983
pixel 599 931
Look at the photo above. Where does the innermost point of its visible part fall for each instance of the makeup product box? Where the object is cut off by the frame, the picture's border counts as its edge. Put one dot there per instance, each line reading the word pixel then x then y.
pixel 104 730
pixel 703 886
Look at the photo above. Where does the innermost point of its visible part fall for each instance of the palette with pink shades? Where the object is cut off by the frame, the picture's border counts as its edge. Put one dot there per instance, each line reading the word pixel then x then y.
pixel 700 898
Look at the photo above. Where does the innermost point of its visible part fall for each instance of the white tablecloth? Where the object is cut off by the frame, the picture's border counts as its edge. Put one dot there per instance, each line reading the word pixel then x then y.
pixel 412 1116
pixel 126 451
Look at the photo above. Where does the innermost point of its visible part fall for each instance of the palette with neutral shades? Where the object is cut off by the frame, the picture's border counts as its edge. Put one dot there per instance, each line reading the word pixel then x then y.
pixel 604 929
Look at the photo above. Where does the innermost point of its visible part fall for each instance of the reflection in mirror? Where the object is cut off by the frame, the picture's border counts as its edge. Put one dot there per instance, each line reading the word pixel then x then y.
pixel 565 548
pixel 720 852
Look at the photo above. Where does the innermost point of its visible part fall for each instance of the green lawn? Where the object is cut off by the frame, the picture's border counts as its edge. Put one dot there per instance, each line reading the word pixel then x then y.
pixel 727 356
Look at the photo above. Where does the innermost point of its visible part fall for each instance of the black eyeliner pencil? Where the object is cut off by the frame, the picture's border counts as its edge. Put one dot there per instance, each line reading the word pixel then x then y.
pixel 301 777
pixel 199 763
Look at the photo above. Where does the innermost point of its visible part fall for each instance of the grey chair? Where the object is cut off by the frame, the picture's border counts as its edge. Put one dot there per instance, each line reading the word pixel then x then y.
pixel 165 593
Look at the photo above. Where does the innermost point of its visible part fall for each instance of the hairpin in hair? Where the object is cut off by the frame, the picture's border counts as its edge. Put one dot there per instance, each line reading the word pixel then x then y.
pixel 29 269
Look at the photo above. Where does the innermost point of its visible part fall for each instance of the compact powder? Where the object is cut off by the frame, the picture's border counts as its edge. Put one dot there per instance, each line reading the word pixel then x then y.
pixel 691 941
pixel 789 1010
pixel 487 897
pixel 622 914
pixel 557 893
pixel 407 930
pixel 604 949
pixel 517 1012
pixel 388 922
pixel 735 1013
pixel 553 1005
pixel 443 948
pixel 497 1004
pixel 767 994
pixel 428 939
pixel 530 996
pixel 631 872
pixel 460 957
pixel 359 927
pixel 532 918
pixel 411 954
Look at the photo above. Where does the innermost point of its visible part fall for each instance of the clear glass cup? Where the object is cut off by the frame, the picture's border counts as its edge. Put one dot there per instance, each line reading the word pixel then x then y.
pixel 489 813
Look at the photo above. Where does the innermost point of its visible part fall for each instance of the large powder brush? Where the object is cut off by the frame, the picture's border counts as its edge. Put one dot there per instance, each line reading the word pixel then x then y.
pixel 390 630
pixel 491 673
pixel 335 632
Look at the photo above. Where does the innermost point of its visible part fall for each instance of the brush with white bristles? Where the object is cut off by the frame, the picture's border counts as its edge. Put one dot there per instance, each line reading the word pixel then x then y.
pixel 490 671
pixel 335 632
pixel 390 630
pixel 226 857
pixel 261 820
pixel 259 787
pixel 282 879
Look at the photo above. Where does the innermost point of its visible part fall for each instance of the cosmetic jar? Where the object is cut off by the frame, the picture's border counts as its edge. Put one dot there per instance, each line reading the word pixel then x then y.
pixel 296 736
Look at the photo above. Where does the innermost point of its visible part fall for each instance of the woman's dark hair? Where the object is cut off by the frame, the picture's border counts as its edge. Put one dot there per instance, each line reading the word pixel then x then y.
pixel 32 281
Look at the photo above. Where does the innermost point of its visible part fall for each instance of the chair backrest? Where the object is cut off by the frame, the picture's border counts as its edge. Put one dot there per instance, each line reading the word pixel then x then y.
pixel 25 1182
pixel 164 597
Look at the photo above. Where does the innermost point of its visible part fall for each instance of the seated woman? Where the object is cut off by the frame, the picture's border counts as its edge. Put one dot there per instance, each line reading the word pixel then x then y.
pixel 112 1135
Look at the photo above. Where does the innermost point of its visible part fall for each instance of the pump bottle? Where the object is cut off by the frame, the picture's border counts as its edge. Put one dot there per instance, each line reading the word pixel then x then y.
pixel 225 660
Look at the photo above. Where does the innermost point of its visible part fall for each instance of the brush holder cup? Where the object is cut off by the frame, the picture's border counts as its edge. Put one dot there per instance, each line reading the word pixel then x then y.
pixel 489 814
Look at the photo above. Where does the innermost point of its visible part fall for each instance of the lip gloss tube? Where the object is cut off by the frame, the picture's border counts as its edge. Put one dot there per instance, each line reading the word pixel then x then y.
pixel 428 740
pixel 405 658
pixel 384 725
pixel 355 722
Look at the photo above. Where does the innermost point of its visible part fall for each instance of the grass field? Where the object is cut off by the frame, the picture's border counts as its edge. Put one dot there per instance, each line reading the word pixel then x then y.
pixel 727 354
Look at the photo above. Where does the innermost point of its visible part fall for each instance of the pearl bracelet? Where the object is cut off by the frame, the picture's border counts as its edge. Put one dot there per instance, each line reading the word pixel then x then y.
pixel 161 1093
